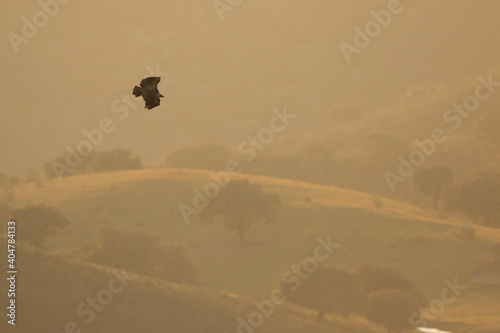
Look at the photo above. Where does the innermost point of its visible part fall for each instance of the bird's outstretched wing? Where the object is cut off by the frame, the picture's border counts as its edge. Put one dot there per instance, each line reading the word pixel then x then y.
pixel 150 83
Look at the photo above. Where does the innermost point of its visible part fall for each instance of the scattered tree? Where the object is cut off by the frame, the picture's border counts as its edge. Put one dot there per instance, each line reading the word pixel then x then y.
pixel 392 308
pixel 477 198
pixel 378 277
pixel 211 157
pixel 384 146
pixel 239 206
pixel 60 166
pixel 37 223
pixel 431 180
pixel 327 289
pixel 8 184
pixel 148 255
pixel 345 111
pixel 320 152
pixel 117 159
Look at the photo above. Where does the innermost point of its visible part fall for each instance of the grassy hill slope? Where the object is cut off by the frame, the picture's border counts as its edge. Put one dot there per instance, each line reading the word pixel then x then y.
pixel 417 244
pixel 51 291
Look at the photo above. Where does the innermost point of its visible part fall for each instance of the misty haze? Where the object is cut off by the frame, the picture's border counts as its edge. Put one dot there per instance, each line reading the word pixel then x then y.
pixel 237 166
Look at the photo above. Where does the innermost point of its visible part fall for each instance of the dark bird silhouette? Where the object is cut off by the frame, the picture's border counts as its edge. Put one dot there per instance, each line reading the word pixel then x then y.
pixel 149 91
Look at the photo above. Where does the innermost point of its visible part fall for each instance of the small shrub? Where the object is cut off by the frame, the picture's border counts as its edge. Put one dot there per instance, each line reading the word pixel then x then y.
pixel 377 201
pixel 149 255
pixel 466 232
pixel 375 278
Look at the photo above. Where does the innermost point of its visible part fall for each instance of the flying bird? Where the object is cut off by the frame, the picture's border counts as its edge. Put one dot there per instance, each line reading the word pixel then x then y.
pixel 149 91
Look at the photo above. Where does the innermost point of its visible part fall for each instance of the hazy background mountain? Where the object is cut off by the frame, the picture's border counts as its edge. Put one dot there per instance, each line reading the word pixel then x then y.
pixel 230 74
pixel 323 176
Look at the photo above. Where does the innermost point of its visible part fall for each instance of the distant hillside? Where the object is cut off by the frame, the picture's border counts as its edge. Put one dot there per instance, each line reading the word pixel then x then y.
pixel 352 146
pixel 416 243
pixel 224 77
pixel 52 291
pixel 425 108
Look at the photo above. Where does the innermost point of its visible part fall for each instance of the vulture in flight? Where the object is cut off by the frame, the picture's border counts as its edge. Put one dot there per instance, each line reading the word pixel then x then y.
pixel 149 91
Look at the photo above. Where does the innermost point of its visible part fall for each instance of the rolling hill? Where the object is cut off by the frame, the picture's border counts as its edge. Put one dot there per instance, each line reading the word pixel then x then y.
pixel 55 295
pixel 416 243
